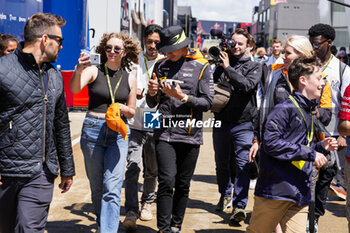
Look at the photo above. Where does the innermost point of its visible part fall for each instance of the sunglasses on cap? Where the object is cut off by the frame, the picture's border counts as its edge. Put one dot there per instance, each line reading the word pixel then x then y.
pixel 60 39
pixel 116 49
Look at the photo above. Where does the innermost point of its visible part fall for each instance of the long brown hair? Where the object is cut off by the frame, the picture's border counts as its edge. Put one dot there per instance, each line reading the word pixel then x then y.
pixel 131 48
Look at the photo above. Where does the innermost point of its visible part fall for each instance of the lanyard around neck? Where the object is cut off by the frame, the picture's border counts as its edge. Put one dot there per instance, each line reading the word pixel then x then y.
pixel 109 83
pixel 310 134
pixel 329 60
pixel 145 59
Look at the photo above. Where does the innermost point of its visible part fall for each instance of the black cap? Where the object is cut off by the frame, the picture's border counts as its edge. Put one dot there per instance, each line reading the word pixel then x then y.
pixel 172 38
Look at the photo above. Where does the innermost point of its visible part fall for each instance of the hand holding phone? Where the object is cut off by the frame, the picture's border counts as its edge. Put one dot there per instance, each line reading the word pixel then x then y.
pixel 172 82
pixel 94 58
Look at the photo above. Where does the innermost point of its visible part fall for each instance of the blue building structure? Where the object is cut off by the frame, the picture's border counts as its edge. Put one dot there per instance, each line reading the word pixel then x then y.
pixel 14 14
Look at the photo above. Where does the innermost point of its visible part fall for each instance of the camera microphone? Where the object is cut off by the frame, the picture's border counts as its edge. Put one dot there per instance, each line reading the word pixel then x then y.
pixel 225 44
pixel 216 32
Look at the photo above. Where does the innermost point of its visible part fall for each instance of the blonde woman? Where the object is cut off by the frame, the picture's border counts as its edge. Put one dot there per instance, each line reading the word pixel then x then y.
pixel 279 87
pixel 260 55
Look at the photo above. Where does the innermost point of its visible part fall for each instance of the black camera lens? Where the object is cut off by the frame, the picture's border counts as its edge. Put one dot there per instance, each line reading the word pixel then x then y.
pixel 231 43
pixel 214 52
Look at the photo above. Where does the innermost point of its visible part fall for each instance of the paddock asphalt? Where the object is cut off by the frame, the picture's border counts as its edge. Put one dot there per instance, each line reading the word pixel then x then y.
pixel 72 212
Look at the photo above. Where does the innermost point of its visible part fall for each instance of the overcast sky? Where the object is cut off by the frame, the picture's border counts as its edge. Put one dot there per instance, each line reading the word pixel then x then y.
pixel 221 10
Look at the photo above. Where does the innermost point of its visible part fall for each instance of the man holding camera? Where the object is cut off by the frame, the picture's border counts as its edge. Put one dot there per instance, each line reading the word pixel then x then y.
pixel 233 140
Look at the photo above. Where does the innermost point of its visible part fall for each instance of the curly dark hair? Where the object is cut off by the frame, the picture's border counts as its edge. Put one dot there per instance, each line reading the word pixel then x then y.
pixel 131 48
pixel 303 66
pixel 152 28
pixel 324 30
pixel 4 40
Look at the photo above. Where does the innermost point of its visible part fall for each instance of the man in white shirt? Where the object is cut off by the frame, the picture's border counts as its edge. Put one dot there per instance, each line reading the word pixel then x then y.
pixel 321 37
pixel 276 57
pixel 141 142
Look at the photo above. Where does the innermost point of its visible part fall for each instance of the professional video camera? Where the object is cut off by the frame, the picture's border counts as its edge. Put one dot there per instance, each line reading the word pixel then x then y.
pixel 224 45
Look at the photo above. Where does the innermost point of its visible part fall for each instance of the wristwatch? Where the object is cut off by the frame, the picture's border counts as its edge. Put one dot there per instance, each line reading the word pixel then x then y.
pixel 152 93
pixel 184 99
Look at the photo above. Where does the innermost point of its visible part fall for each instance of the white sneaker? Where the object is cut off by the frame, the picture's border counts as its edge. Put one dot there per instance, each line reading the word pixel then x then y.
pixel 146 212
pixel 130 220
pixel 175 230
pixel 252 184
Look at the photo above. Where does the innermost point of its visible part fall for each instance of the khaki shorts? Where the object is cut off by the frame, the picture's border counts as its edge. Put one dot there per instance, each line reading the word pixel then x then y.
pixel 268 213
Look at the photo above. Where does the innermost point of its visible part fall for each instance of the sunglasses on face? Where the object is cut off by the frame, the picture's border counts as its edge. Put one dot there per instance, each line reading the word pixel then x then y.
pixel 60 39
pixel 317 44
pixel 11 50
pixel 116 49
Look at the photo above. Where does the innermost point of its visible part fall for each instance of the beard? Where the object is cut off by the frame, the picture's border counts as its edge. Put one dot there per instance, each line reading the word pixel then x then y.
pixel 239 54
pixel 51 54
pixel 152 53
pixel 52 57
pixel 277 54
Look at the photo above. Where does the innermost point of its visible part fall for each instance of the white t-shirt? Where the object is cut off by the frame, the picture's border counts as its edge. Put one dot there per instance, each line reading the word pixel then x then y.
pixel 273 60
pixel 332 71
pixel 142 80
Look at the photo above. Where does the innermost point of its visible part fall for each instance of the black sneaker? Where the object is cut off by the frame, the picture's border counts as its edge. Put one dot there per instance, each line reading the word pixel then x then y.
pixel 130 220
pixel 238 215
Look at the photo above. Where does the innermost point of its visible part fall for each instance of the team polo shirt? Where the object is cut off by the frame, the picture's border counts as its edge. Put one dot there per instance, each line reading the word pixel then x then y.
pixel 337 87
pixel 344 114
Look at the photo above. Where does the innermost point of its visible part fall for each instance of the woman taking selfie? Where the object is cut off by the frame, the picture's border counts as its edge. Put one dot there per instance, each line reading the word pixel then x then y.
pixel 104 135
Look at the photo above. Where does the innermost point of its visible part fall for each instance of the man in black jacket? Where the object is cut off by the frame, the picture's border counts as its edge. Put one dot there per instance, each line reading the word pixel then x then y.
pixel 235 137
pixel 34 127
pixel 182 104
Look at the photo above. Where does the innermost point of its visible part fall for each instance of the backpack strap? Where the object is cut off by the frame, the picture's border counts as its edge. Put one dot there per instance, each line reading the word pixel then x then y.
pixel 201 74
pixel 342 67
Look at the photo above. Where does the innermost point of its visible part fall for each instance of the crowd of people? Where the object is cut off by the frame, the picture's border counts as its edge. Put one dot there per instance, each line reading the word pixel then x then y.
pixel 288 112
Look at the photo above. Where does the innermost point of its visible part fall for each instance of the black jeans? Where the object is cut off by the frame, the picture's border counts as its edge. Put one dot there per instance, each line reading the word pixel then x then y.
pixel 325 178
pixel 176 164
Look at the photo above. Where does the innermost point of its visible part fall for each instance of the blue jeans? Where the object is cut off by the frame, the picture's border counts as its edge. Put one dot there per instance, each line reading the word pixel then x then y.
pixel 105 154
pixel 232 143
pixel 141 145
